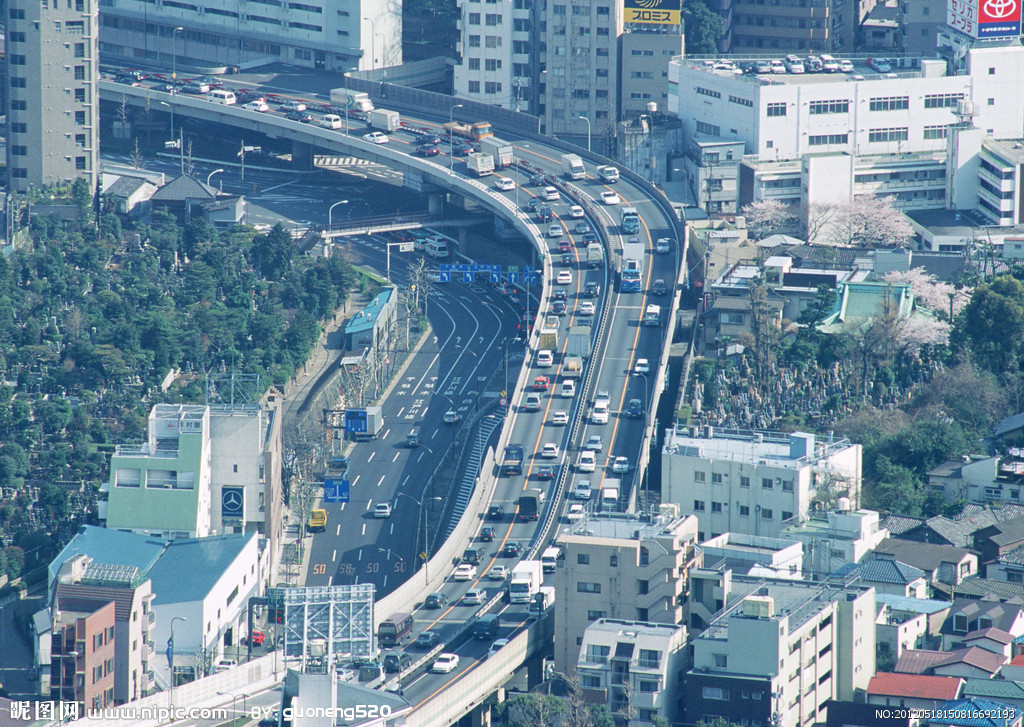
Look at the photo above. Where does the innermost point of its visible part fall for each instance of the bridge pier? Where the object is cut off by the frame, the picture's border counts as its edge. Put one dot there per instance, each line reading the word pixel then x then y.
pixel 435 204
pixel 479 717
pixel 302 155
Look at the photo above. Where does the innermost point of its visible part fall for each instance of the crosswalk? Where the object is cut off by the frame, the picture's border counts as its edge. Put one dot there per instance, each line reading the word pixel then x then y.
pixel 330 161
pixel 469 477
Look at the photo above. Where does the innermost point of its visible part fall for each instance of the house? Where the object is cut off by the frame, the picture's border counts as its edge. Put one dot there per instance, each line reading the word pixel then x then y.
pixel 836 537
pixel 992 639
pixel 982 479
pixel 975 587
pixel 224 211
pixel 976 712
pixel 955 531
pixel 858 303
pixel 919 691
pixel 1008 567
pixel 1011 429
pixel 129 195
pixel 732 318
pixel 904 623
pixel 940 563
pixel 997 540
pixel 967 616
pixel 972 661
pixel 887 575
pixel 183 197
pixel 1003 691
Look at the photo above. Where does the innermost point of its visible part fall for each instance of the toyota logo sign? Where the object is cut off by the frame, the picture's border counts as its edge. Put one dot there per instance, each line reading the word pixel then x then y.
pixel 999 9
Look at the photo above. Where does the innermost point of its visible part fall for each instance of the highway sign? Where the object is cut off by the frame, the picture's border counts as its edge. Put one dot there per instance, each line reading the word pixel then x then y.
pixel 444 277
pixel 355 421
pixel 512 278
pixel 495 277
pixel 467 277
pixel 336 489
pixel 406 247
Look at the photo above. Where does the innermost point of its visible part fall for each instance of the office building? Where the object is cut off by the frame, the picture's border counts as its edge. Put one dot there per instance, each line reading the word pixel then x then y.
pixel 921 20
pixel 634 665
pixel 793 26
pixel 757 483
pixel 779 651
pixel 52 93
pixel 82 653
pixel 621 567
pixel 233 33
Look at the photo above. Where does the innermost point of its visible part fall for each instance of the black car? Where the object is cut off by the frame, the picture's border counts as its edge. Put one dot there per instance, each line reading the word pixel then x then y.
pixel 495 513
pixel 534 203
pixel 545 472
pixel 436 600
pixel 461 148
pixel 566 258
pixel 592 290
pixel 512 549
pixel 428 150
pixel 635 409
pixel 560 294
pixel 487 534
pixel 543 212
pixel 558 308
pixel 430 138
pixel 538 180
pixel 303 116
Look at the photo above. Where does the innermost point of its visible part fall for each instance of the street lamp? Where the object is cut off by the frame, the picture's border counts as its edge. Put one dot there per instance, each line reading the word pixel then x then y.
pixel 423 520
pixel 210 175
pixel 245 709
pixel 348 101
pixel 451 137
pixel 588 130
pixel 373 32
pixel 170 658
pixel 329 211
pixel 174 54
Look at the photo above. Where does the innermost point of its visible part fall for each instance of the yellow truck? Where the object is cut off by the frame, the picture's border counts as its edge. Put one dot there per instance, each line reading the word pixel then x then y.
pixel 318 521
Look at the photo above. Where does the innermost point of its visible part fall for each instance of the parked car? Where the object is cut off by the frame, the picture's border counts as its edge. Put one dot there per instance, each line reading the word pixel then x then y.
pixel 879 64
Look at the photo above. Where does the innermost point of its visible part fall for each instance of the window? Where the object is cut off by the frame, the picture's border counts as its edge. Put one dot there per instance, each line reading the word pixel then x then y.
pixel 474 87
pixel 649 658
pixel 80 118
pixel 641 587
pixel 787 485
pixel 716 507
pixel 744 481
pixel 838 106
pixel 492 19
pixel 1014 576
pixel 602 52
pixel 603 10
pixel 597 653
pixel 492 64
pixel 889 103
pixel 613 561
pixel 595 615
pixel 825 139
pixel 17 82
pixel 17 60
pixel 583 559
pixel 699 476
pixel 766 514
pixel 80 95
pixel 708 92
pixel 744 511
pixel 80 163
pixel 17 14
pixel 474 41
pixel 492 41
pixel 942 100
pixel 584 587
pixel 602 73
pixel 79 50
pixel 741 101
pixel 474 18
pixel 19 127
pixel 16 37
pixel 709 129
pixel 588 681
pixel 894 134
pixel 558 9
pixel 787 515
pixel 991 102
pixel 19 173
pixel 649 686
pixel 17 105
pixel 79 73
pixel 936 132
pixel 721 660
pixel 474 64
pixel 766 483
pixel 698 506
pixel 776 109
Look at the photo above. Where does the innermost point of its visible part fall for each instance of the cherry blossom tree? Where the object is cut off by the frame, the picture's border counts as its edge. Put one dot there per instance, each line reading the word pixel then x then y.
pixel 871 221
pixel 767 217
pixel 943 299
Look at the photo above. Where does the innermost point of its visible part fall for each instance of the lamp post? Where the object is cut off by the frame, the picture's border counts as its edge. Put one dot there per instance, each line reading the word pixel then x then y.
pixel 423 520
pixel 329 211
pixel 399 245
pixel 588 130
pixel 170 659
pixel 347 101
pixel 245 709
pixel 174 55
pixel 210 175
pixel 451 137
pixel 373 32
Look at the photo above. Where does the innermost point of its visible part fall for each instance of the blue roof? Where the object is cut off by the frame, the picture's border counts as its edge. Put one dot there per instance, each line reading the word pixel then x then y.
pixel 909 603
pixel 111 547
pixel 365 319
pixel 975 708
pixel 881 570
pixel 190 567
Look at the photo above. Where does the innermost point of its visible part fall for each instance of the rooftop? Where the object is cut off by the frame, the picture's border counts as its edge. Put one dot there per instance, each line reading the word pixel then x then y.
pixel 909 603
pixel 861 72
pixel 776 449
pixel 190 567
pixel 919 686
pixel 111 547
pixel 926 556
pixel 977 712
pixel 1011 150
pixel 998 689
pixel 881 570
pixel 365 319
pixel 631 526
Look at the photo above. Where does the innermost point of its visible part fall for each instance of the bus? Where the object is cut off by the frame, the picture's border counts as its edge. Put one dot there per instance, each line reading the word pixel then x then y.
pixel 630 219
pixel 395 629
pixel 632 272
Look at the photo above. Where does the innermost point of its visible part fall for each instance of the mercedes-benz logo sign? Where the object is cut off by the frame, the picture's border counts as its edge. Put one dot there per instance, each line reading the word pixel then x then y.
pixel 1000 8
pixel 231 500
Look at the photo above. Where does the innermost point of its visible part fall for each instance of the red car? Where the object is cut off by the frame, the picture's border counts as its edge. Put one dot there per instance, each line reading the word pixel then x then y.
pixel 256 637
pixel 564 246
pixel 400 236
pixel 541 383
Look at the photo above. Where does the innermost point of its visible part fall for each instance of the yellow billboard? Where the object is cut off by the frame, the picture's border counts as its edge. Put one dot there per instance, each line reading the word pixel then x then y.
pixel 658 12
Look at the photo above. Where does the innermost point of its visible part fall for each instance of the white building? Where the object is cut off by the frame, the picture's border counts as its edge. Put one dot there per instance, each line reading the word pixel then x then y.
pixel 837 537
pixel 755 482
pixel 634 664
pixel 755 555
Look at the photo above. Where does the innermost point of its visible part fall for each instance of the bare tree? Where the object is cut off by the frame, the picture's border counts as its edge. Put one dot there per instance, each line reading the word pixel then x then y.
pixel 577 711
pixel 190 168
pixel 136 155
pixel 815 221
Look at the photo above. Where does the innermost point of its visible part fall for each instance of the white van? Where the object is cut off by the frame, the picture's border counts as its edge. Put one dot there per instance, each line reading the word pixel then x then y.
pixel 330 121
pixel 610 499
pixel 436 248
pixel 219 95
pixel 504 184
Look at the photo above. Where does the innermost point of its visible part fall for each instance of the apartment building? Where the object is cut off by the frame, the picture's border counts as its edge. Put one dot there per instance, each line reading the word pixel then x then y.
pixel 234 33
pixel 755 483
pixel 82 652
pixel 754 555
pixel 799 26
pixel 621 567
pixel 635 665
pixel 52 93
pixel 814 643
pixel 834 538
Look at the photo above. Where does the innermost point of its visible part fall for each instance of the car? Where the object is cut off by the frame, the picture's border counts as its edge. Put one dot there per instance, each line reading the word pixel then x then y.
pixel 496 647
pixel 435 600
pixel 777 66
pixel 829 64
pixel 603 398
pixel 256 638
pixel 541 383
pixel 813 64
pixel 558 307
pixel 382 510
pixel 487 534
pixel 412 440
pixel 576 512
pixel 545 357
pixel 304 116
pixel 564 246
pixel 474 597
pixel 761 67
pixel 575 211
pixel 196 89
pixel 592 290
pixel 396 661
pixel 642 366
pixel 504 184
pixel 538 180
pixel 794 64
pixel 428 150
pixel 545 472
pixel 258 105
pixel 167 87
pixel 879 64
pixel 375 137
pixel 581 228
pixel 549 450
pixel 551 194
pixel 556 231
pixel 544 212
pixel 586 462
pixel 462 148
pixel 582 490
pixel 595 443
pixel 464 572
pixel 635 409
pixel 660 287
pixel 587 308
pixel 445 663
pixel 560 294
pixel 497 573
pixel 495 513
pixel 267 722
pixel 426 640
pixel 564 277
pixel 846 66
pixel 451 417
pixel 588 238
pixel 511 549
pixel 620 465
pixel 568 389
pixel 610 198
pixel 429 137
pixel 534 203
pixel 560 417
pixel 585 322
pixel 567 258
pixel 292 105
pixel 663 245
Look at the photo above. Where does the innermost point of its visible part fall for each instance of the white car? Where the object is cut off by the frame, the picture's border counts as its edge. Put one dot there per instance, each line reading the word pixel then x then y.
pixel 445 663
pixel 464 572
pixel 560 417
pixel 257 105
pixel 879 64
pixel 829 64
pixel 587 308
pixel 549 451
pixel 292 105
pixel 582 490
pixel 375 137
pixel 587 461
pixel 576 512
pixel 595 443
pixel 568 389
pixel 383 510
pixel 545 358
pixel 643 366
pixel 610 198
pixel 474 597
pixel 663 245
pixel 846 66
pixel 620 465
pixel 777 67
pixel 575 211
pixel 496 647
pixel 497 573
pixel 504 184
pixel 551 194
pixel 564 277
pixel 451 417
pixel 556 231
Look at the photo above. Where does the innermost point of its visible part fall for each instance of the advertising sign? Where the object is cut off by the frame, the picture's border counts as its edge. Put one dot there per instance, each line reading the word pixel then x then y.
pixel 962 15
pixel 656 12
pixel 998 18
pixel 232 503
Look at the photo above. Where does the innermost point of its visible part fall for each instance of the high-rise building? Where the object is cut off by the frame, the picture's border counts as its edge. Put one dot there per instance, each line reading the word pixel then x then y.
pixel 325 34
pixel 52 93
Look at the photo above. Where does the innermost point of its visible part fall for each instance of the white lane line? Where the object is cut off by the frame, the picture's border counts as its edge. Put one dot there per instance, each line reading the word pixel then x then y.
pixel 338 531
pixel 379 483
pixel 356 480
pixel 400 411
pixel 334 555
pixel 385 434
pixel 396 456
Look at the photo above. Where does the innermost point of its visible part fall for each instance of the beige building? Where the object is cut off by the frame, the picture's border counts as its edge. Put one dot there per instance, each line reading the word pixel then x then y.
pixel 52 95
pixel 621 567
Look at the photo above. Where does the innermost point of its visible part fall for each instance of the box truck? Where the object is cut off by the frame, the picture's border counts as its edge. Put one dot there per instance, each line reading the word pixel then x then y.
pixel 530 503
pixel 525 581
pixel 580 342
pixel 572 167
pixel 501 151
pixel 595 255
pixel 384 120
pixel 652 315
pixel 351 100
pixel 480 162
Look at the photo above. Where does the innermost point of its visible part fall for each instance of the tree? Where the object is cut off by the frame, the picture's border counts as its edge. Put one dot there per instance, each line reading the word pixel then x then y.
pixel 940 298
pixel 768 216
pixel 716 722
pixel 871 221
pixel 703 28
pixel 895 489
pixel 992 324
pixel 814 222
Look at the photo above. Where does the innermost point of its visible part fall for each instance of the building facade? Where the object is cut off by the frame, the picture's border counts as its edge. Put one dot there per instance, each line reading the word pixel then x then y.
pixel 835 538
pixel 52 93
pixel 82 652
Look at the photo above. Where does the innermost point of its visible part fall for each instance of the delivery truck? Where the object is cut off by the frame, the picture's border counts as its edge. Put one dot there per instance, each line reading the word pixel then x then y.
pixel 542 600
pixel 572 368
pixel 549 558
pixel 384 120
pixel 530 503
pixel 480 162
pixel 351 100
pixel 610 490
pixel 572 167
pixel 549 339
pixel 501 151
pixel 595 255
pixel 364 423
pixel 580 342
pixel 476 132
pixel 512 462
pixel 526 579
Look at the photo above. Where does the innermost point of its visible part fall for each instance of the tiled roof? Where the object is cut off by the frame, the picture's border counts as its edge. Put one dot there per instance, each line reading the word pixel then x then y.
pixel 977 711
pixel 1015 556
pixel 920 686
pixel 122 597
pixel 946 267
pixel 926 556
pixel 919 661
pixel 899 524
pixel 126 186
pixel 975 587
pixel 977 657
pixel 882 570
pixel 993 688
pixel 1008 532
pixel 922 661
pixel 947 468
pixel 184 188
pixel 1010 424
pixel 993 634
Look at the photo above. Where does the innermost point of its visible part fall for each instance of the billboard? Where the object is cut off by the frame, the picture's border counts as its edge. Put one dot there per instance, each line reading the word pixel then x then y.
pixel 985 18
pixel 655 12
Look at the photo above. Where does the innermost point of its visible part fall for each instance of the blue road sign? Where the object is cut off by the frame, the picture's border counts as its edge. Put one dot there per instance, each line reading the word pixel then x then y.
pixel 355 421
pixel 336 489
pixel 531 279
pixel 512 278
pixel 495 278
pixel 445 267
pixel 467 277
pixel 445 277
pixel 460 268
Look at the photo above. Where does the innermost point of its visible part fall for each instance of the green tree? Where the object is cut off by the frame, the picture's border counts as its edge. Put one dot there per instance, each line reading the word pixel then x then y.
pixel 992 324
pixel 53 413
pixel 272 253
pixel 703 28
pixel 895 489
pixel 716 722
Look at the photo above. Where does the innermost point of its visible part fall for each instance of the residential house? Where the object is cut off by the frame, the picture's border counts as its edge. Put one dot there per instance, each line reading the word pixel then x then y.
pixel 995 640
pixel 1010 430
pixel 968 616
pixel 914 691
pixel 956 531
pixel 998 690
pixel 83 652
pixel 836 537
pixel 129 195
pixel 975 587
pixel 969 662
pixel 976 712
pixel 940 563
pixel 997 540
pixel 904 623
pixel 183 197
pixel 1008 567
pixel 887 575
